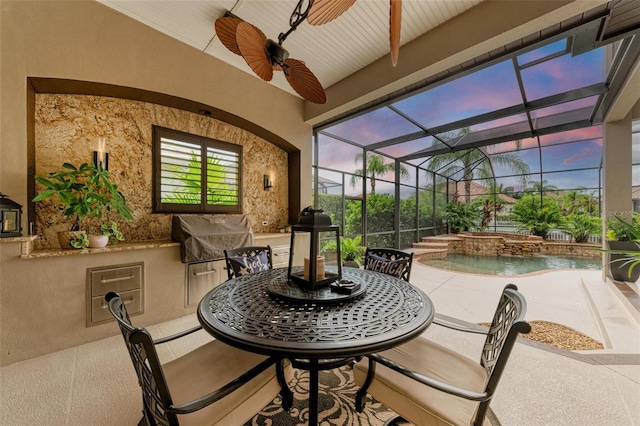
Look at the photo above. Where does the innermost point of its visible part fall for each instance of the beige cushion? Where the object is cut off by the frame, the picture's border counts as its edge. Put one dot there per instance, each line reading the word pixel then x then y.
pixel 418 403
pixel 210 367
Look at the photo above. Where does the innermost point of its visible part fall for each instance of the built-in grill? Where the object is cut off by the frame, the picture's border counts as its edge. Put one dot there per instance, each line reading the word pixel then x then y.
pixel 203 239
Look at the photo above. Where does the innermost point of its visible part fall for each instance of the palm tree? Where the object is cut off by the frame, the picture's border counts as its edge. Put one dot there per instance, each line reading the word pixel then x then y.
pixel 375 167
pixel 474 163
pixel 542 187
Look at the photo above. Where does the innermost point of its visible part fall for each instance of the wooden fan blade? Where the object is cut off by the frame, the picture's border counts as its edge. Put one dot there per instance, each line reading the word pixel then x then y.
pixel 395 22
pixel 323 11
pixel 226 32
pixel 251 42
pixel 304 82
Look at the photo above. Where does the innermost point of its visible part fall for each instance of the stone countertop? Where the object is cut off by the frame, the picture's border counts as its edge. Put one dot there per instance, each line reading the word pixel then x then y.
pixel 139 245
pixel 28 252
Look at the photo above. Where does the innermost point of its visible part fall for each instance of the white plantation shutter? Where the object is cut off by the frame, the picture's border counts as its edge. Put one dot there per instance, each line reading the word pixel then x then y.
pixel 194 174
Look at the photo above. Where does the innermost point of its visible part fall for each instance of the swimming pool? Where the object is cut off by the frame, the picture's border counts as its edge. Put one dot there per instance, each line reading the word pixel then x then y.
pixel 507 265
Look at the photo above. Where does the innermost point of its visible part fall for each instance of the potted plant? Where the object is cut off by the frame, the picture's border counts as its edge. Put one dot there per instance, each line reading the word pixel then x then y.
pixel 111 231
pixel 351 251
pixel 623 240
pixel 83 191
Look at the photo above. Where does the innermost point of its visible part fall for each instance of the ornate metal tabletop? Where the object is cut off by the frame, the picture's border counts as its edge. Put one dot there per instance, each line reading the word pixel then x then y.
pixel 241 312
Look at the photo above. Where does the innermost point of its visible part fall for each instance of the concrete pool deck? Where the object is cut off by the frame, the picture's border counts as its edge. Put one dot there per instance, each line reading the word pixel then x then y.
pixel 542 384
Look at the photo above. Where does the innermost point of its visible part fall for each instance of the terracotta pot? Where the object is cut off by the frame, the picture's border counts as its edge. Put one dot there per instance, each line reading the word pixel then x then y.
pixel 65 236
pixel 619 270
pixel 96 241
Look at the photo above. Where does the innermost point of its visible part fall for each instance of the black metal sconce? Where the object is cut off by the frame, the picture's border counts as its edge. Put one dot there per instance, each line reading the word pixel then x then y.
pixel 10 217
pixel 101 157
pixel 267 183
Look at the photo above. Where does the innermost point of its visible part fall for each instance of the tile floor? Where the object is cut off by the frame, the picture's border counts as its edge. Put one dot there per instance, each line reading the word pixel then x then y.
pixel 94 384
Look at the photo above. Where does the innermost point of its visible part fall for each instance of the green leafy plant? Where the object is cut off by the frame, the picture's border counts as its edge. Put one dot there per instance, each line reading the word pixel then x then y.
pixel 462 216
pixel 621 230
pixel 218 191
pixel 624 246
pixel 580 226
pixel 350 249
pixel 537 215
pixel 83 191
pixel 111 230
pixel 79 241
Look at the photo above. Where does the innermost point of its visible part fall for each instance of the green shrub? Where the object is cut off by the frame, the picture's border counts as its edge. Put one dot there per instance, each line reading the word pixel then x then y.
pixel 537 215
pixel 580 226
pixel 462 216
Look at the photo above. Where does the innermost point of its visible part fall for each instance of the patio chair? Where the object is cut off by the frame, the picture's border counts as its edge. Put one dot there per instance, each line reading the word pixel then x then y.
pixel 389 261
pixel 215 384
pixel 247 260
pixel 429 384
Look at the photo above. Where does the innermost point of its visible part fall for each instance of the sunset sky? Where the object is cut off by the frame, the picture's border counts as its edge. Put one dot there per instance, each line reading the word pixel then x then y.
pixel 544 72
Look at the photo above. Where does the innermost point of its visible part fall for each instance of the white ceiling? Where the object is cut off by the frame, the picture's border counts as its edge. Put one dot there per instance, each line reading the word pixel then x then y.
pixel 332 51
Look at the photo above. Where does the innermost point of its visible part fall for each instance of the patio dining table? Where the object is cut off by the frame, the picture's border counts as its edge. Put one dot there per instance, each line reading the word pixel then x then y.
pixel 266 313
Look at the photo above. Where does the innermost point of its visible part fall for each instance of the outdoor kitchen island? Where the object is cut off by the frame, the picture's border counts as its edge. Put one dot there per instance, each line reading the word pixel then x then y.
pixel 50 290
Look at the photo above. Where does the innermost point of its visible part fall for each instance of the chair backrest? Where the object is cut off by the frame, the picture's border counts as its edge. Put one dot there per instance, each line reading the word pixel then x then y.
pixel 155 393
pixel 508 322
pixel 247 260
pixel 389 261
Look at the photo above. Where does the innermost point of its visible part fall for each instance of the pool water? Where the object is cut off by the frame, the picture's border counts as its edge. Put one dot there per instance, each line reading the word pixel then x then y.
pixel 512 265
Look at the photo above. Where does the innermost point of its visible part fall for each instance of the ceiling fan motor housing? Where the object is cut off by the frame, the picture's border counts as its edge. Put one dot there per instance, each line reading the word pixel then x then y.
pixel 277 53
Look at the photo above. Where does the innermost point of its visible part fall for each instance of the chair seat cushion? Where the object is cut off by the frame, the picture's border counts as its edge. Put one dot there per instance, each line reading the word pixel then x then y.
pixel 243 265
pixel 211 366
pixel 418 403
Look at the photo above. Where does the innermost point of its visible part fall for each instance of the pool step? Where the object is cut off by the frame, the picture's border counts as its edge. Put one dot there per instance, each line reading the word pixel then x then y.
pixel 428 253
pixel 431 245
pixel 440 239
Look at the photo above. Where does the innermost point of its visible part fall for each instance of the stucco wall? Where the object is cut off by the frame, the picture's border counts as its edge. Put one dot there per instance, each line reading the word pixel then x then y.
pixel 85 41
pixel 42 300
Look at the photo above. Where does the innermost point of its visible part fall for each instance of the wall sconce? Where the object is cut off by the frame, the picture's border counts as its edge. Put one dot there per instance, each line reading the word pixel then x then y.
pixel 101 157
pixel 267 183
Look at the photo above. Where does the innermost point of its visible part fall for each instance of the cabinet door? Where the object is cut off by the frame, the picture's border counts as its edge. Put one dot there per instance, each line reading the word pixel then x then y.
pixel 280 256
pixel 202 277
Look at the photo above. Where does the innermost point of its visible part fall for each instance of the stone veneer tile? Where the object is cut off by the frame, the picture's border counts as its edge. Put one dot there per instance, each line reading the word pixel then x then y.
pixel 67 128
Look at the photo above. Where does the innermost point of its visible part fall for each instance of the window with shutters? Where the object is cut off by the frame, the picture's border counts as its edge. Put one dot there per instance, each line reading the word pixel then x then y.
pixel 194 174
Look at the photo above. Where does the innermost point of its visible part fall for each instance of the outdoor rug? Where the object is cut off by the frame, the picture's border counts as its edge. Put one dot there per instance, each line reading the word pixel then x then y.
pixel 336 403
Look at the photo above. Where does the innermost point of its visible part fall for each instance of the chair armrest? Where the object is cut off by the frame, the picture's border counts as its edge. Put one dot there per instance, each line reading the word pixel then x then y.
pixel 436 384
pixel 444 323
pixel 177 335
pixel 210 398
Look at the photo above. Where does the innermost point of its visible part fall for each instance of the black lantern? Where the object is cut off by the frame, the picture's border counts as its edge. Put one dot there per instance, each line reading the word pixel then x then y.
pixel 10 218
pixel 317 226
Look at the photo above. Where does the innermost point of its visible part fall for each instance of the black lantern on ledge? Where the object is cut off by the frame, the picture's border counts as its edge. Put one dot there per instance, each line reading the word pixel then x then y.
pixel 317 226
pixel 10 218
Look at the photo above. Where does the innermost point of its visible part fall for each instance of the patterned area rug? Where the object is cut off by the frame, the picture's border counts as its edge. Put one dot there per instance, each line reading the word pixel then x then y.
pixel 336 403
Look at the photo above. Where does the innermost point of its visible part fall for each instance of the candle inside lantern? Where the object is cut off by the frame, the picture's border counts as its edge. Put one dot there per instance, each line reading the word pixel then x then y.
pixel 320 274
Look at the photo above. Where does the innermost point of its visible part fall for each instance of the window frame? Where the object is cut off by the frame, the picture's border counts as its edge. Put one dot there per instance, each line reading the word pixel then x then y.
pixel 203 142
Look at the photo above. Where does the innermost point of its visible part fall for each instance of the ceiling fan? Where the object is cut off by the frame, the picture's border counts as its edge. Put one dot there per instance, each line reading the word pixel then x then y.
pixel 264 55
pixel 323 11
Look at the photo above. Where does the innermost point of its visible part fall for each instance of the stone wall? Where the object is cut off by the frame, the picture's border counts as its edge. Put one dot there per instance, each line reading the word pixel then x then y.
pixel 492 244
pixel 67 128
pixel 572 249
